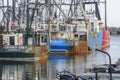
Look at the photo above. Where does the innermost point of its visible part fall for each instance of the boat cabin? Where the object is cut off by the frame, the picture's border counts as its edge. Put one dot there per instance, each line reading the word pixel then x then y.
pixel 13 39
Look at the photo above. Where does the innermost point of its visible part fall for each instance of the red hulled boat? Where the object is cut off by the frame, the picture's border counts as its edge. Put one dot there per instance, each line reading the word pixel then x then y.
pixel 106 38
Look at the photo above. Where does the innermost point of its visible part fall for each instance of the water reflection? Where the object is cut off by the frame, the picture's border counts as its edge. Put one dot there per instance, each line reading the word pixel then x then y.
pixel 114 49
pixel 10 71
pixel 46 69
pixel 75 64
pixel 96 59
pixel 22 70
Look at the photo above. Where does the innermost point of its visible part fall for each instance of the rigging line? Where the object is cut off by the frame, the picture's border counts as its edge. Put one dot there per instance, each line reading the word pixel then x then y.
pixel 70 9
pixel 20 12
pixel 83 11
pixel 60 10
pixel 23 11
pixel 60 7
pixel 4 16
pixel 33 13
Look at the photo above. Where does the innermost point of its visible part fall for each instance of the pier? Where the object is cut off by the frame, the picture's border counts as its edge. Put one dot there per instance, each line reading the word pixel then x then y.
pixel 114 30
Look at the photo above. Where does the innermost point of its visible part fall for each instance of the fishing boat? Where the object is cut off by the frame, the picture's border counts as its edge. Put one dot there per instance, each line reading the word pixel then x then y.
pixel 106 31
pixel 13 46
pixel 96 25
pixel 66 29
pixel 22 35
pixel 80 30
pixel 61 36
pixel 106 38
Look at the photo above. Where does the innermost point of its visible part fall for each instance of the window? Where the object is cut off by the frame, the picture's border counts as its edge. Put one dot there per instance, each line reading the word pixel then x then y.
pixel 92 26
pixel 12 40
pixel 44 39
pixel 76 35
pixel 82 37
pixel 62 28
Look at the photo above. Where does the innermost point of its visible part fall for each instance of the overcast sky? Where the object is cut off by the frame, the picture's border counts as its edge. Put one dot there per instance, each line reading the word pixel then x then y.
pixel 113 11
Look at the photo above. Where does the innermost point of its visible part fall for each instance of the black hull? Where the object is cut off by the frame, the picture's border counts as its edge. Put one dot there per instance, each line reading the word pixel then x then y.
pixel 16 55
pixel 8 62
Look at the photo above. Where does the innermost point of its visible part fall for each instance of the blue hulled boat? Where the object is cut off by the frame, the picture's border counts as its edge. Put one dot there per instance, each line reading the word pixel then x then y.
pixel 82 32
pixel 61 39
pixel 60 45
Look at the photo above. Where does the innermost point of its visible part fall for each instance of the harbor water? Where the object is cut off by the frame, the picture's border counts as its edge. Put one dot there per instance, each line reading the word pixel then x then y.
pixel 46 69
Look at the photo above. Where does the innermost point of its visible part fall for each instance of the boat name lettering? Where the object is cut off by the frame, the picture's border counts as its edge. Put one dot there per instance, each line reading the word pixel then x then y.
pixel 15 47
pixel 58 42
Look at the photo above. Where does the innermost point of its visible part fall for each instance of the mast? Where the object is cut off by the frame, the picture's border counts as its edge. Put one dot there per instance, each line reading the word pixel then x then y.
pixel 13 7
pixel 1 38
pixel 27 23
pixel 7 24
pixel 33 13
pixel 106 13
pixel 48 36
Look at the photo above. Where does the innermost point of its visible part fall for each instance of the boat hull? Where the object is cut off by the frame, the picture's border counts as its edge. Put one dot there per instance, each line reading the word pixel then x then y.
pixel 22 53
pixel 16 55
pixel 60 45
pixel 106 38
pixel 95 41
